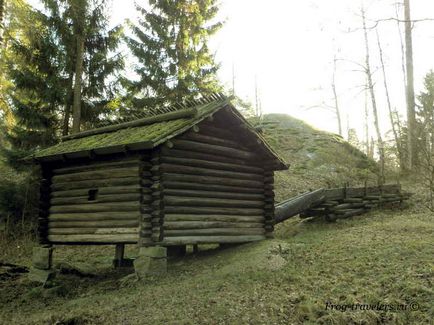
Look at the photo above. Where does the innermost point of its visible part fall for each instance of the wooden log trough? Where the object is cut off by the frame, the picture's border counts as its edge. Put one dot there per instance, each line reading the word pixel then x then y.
pixel 340 203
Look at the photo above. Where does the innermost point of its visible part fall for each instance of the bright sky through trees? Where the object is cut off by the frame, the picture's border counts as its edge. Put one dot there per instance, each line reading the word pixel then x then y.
pixel 289 46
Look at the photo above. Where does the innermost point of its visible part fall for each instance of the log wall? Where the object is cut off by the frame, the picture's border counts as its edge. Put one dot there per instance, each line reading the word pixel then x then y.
pixel 99 202
pixel 210 189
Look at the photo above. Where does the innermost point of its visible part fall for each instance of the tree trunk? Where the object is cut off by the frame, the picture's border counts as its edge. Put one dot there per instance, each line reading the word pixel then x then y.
pixel 389 106
pixel 2 14
pixel 76 108
pixel 338 112
pixel 411 115
pixel 366 120
pixel 68 101
pixel 374 103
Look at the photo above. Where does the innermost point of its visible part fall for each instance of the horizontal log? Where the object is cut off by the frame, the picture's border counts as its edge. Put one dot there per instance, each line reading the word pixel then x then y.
pixel 213 217
pixel 216 210
pixel 214 232
pixel 353 200
pixel 211 129
pixel 125 162
pixel 211 164
pixel 100 199
pixel 94 239
pixel 171 168
pixel 188 154
pixel 352 213
pixel 211 139
pixel 211 187
pixel 99 183
pixel 96 231
pixel 95 216
pixel 213 194
pixel 294 206
pixel 98 174
pixel 101 191
pixel 170 225
pixel 210 202
pixel 213 149
pixel 96 207
pixel 211 180
pixel 210 239
pixel 347 206
pixel 95 224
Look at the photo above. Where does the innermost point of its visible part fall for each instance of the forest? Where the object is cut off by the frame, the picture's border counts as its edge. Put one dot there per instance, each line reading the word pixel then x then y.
pixel 66 68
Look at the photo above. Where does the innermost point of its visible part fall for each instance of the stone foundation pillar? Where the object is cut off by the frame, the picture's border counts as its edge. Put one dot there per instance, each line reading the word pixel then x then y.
pixel 42 260
pixel 151 261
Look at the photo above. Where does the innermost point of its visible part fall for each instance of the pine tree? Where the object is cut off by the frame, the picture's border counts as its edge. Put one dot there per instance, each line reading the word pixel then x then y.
pixel 41 67
pixel 170 45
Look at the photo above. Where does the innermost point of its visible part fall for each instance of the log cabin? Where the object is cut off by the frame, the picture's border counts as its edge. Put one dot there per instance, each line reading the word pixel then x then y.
pixel 197 173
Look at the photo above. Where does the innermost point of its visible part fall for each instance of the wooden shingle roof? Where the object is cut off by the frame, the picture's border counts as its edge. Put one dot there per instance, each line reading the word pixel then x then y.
pixel 147 133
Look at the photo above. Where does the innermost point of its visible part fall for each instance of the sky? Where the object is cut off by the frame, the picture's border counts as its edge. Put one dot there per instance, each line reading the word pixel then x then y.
pixel 288 47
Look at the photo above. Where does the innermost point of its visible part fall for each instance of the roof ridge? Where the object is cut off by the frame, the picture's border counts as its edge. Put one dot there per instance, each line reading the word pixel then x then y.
pixel 178 110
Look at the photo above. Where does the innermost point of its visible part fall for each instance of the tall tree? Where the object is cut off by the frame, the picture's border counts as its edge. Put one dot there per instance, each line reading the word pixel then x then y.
pixel 170 45
pixel 411 114
pixel 42 67
pixel 2 14
pixel 78 9
pixel 335 96
pixel 396 135
pixel 373 100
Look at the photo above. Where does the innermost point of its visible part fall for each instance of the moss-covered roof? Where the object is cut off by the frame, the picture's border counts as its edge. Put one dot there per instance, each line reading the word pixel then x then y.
pixel 144 137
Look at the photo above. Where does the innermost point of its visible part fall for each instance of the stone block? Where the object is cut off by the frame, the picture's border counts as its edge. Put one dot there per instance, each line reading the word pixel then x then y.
pixel 149 266
pixel 153 251
pixel 42 257
pixel 41 276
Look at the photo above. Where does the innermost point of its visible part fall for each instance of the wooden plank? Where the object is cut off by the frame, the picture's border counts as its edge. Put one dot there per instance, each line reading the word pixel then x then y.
pixel 180 169
pixel 210 239
pixel 172 177
pixel 98 174
pixel 210 202
pixel 96 207
pixel 213 217
pixel 170 225
pixel 95 216
pixel 94 238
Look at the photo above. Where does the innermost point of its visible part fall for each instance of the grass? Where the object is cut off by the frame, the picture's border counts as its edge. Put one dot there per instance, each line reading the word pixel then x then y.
pixel 384 257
